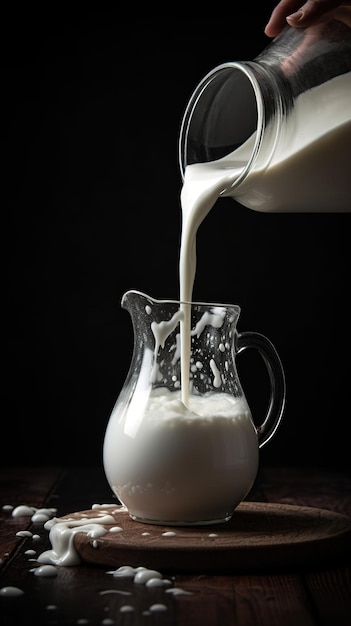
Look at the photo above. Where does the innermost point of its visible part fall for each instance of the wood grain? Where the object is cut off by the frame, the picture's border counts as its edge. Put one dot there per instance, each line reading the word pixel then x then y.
pixel 259 536
pixel 21 485
pixel 305 595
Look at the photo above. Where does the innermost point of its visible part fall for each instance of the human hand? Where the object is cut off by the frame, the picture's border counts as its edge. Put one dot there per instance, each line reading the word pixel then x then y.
pixel 313 12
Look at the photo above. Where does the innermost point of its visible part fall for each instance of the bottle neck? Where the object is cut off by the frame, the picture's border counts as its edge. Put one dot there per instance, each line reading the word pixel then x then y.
pixel 309 57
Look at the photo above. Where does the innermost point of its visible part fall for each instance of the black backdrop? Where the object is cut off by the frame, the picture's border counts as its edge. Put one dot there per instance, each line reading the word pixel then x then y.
pixel 91 184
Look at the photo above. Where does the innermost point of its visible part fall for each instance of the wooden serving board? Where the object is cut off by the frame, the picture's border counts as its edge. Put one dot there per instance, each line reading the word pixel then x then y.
pixel 259 536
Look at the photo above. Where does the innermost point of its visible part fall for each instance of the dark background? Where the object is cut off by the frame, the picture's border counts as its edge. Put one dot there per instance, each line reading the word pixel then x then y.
pixel 91 185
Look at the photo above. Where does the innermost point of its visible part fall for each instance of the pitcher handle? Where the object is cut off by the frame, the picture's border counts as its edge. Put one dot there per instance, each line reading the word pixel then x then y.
pixel 245 340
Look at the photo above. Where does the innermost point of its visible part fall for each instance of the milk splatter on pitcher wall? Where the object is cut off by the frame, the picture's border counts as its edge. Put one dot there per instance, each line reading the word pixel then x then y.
pixel 175 460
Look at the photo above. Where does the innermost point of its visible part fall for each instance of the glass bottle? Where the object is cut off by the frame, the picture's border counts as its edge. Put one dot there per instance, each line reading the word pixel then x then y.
pixel 280 124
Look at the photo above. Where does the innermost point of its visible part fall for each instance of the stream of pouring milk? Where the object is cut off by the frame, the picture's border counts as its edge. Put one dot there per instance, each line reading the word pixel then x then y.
pixel 199 194
pixel 294 175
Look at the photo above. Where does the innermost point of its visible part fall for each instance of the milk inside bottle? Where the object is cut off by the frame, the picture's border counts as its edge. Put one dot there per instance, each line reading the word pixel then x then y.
pixel 275 133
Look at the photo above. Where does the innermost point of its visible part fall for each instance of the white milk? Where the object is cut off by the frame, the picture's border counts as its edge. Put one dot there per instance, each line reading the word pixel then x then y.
pixel 176 457
pixel 302 174
pixel 181 464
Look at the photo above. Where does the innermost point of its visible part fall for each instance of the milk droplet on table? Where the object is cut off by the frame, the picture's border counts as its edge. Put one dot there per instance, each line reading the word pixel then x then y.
pixel 45 571
pixel 10 592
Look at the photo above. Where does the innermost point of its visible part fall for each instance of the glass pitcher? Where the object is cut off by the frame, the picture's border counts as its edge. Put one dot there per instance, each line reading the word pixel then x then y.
pixel 278 127
pixel 187 452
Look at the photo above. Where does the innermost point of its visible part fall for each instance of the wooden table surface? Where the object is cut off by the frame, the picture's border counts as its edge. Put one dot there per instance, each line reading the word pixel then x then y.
pixel 306 595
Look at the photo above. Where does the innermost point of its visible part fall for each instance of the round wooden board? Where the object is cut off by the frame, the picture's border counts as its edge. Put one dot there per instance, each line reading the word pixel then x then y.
pixel 259 536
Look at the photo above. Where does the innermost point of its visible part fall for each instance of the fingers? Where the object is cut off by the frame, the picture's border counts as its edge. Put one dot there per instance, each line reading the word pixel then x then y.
pixel 343 14
pixel 277 20
pixel 301 15
pixel 312 12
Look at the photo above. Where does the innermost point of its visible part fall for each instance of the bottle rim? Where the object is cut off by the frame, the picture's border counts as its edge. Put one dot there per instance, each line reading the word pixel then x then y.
pixel 248 69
